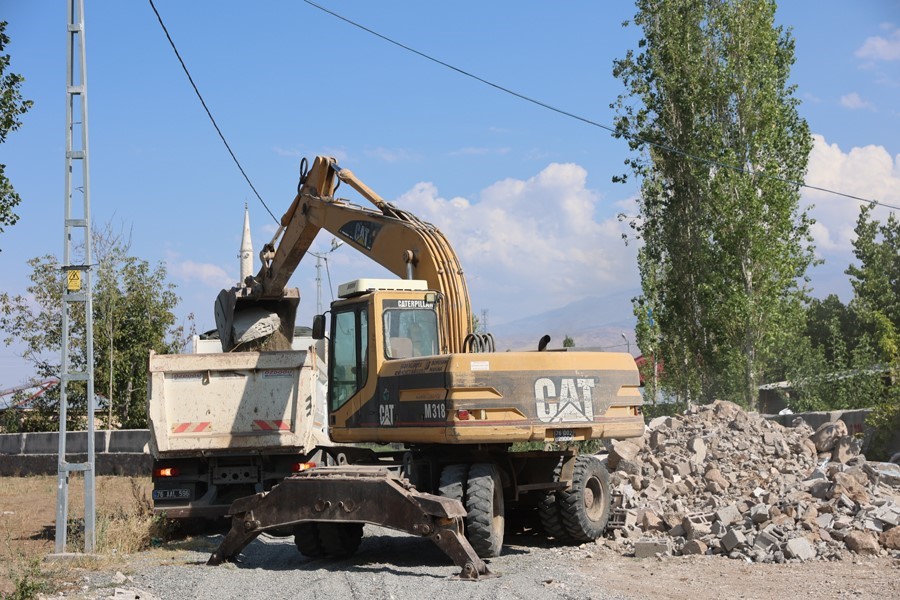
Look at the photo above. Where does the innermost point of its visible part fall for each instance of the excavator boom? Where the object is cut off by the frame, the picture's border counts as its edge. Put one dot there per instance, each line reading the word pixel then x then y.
pixel 399 241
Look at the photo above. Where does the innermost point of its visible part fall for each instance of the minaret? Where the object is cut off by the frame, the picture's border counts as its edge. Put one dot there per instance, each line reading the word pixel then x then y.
pixel 246 254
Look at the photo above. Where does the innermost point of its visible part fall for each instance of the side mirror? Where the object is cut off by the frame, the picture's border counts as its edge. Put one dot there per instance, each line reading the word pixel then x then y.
pixel 318 327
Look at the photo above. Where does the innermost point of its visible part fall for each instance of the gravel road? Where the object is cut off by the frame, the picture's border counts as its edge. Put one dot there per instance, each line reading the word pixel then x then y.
pixel 388 565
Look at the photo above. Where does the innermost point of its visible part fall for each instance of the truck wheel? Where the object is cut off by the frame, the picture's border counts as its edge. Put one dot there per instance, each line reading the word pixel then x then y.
pixel 341 539
pixel 584 507
pixel 453 482
pixel 484 505
pixel 550 515
pixel 306 537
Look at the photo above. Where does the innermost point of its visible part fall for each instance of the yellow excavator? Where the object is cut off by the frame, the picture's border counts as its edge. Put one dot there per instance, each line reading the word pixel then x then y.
pixel 405 368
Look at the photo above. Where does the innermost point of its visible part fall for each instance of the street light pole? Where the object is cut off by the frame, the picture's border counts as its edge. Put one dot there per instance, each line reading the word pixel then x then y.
pixel 627 342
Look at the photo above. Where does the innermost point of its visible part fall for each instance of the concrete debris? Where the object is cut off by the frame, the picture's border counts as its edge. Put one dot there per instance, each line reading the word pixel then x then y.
pixel 720 480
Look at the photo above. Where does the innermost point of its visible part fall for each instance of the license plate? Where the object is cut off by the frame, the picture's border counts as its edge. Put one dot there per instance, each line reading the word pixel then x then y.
pixel 563 435
pixel 171 494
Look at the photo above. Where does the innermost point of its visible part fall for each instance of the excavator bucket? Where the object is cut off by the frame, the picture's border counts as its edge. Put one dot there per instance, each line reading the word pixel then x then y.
pixel 244 319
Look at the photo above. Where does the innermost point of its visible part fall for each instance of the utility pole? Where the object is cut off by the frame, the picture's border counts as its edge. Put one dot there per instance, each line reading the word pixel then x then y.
pixel 77 288
pixel 335 244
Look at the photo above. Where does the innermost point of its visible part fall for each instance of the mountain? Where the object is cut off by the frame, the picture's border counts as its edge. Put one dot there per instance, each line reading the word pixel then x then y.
pixel 592 322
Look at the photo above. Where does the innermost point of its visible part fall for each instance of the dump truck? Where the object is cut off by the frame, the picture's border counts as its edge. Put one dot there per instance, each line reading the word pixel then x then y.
pixel 224 426
pixel 406 368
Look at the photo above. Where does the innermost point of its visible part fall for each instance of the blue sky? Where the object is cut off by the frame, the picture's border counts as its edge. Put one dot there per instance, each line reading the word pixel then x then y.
pixel 524 194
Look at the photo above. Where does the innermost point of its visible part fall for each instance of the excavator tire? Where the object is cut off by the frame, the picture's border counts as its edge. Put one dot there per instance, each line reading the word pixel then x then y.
pixel 585 507
pixel 308 541
pixel 453 482
pixel 484 504
pixel 340 540
pixel 549 513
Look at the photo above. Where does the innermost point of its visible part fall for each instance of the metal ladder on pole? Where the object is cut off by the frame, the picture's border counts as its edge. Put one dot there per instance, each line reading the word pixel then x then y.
pixel 77 290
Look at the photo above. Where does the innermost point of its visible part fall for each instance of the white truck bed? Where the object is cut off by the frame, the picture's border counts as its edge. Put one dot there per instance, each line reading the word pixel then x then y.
pixel 235 403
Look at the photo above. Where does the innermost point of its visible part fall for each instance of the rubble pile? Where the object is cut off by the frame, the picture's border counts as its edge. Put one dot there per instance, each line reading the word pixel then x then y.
pixel 719 480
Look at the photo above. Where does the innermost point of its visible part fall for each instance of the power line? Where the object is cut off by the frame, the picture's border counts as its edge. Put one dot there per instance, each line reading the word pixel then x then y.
pixel 208 113
pixel 664 147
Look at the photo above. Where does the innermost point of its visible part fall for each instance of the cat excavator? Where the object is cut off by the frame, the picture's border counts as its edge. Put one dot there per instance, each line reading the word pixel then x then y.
pixel 406 369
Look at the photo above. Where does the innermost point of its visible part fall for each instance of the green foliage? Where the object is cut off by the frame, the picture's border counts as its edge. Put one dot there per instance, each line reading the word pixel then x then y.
pixel 133 314
pixel 885 423
pixel 28 580
pixel 876 287
pixel 12 106
pixel 724 251
pixel 568 342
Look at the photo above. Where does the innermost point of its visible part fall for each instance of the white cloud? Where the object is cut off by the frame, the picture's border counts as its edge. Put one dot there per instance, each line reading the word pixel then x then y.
pixel 868 172
pixel 532 245
pixel 205 273
pixel 854 101
pixel 390 155
pixel 289 152
pixel 879 48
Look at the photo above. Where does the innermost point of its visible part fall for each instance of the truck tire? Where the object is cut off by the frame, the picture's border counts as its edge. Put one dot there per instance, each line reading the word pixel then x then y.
pixel 550 515
pixel 584 507
pixel 453 482
pixel 307 540
pixel 340 540
pixel 484 504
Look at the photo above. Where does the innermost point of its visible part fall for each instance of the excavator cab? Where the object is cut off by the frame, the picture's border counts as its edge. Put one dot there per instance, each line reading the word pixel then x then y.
pixel 375 322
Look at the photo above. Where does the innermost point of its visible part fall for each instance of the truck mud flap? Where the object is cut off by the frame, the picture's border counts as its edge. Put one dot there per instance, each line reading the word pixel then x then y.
pixel 353 494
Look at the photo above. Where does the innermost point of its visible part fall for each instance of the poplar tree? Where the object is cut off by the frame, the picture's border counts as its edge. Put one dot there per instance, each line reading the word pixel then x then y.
pixel 12 106
pixel 717 143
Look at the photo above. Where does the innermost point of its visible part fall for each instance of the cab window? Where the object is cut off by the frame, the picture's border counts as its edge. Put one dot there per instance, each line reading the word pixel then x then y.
pixel 410 332
pixel 349 343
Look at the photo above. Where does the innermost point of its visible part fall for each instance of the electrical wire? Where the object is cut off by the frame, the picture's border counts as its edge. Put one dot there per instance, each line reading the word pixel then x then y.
pixel 208 113
pixel 664 147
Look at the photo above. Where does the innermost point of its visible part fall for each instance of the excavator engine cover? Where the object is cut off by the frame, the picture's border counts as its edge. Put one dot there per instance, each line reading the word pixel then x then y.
pixel 243 317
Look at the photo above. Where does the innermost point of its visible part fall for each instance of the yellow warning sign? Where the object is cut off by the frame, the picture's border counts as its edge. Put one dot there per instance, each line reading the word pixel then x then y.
pixel 74 280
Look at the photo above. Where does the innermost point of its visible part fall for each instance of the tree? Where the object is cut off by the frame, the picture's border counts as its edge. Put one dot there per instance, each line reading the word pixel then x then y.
pixel 718 140
pixel 876 299
pixel 12 106
pixel 568 342
pixel 133 314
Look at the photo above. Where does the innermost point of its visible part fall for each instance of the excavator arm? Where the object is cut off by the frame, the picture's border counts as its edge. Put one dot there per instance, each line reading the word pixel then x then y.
pixel 398 240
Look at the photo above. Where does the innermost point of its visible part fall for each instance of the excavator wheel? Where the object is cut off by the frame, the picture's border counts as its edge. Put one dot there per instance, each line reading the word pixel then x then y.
pixel 484 504
pixel 306 537
pixel 340 540
pixel 585 507
pixel 550 515
pixel 453 482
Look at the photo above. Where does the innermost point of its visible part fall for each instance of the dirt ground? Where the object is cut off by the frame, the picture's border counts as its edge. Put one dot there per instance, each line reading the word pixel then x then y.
pixel 715 577
pixel 27 516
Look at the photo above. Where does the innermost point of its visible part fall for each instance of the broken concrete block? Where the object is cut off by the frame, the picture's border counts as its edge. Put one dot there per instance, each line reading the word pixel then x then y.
pixel 891 538
pixel 799 548
pixel 715 476
pixel 728 515
pixel 650 521
pixel 861 542
pixel 827 435
pixel 759 513
pixel 888 514
pixel 656 422
pixel 845 449
pixel 733 539
pixel 648 548
pixel 622 450
pixel 694 547
pixel 698 447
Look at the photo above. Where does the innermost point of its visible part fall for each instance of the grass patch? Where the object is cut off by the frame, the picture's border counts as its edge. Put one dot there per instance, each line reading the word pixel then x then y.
pixel 125 528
